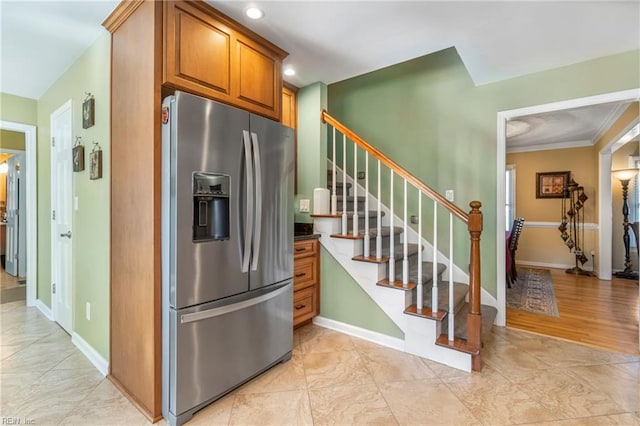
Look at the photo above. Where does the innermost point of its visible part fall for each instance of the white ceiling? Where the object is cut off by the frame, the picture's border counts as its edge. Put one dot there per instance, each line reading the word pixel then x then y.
pixel 334 40
pixel 568 128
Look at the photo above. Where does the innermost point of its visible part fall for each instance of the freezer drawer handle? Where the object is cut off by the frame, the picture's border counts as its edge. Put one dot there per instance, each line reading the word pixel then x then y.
pixel 210 313
pixel 298 307
pixel 301 274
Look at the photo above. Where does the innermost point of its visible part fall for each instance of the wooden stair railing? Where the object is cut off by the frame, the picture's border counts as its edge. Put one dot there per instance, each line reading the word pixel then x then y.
pixel 473 220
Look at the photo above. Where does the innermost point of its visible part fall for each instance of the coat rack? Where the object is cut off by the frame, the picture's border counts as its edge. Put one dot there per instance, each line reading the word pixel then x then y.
pixel 572 225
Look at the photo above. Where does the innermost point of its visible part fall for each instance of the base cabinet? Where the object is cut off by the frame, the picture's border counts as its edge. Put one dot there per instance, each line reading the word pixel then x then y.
pixel 306 281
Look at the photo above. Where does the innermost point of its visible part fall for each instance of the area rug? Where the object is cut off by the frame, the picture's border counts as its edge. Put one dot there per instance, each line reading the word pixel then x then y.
pixel 13 294
pixel 533 292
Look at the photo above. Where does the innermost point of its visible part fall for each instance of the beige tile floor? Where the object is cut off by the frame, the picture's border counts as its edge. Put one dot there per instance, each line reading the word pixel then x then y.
pixel 336 379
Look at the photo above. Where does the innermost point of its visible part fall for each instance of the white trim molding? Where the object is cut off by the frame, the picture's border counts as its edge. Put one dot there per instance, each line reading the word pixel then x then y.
pixel 44 309
pixel 551 265
pixel 554 225
pixel 101 364
pixel 361 333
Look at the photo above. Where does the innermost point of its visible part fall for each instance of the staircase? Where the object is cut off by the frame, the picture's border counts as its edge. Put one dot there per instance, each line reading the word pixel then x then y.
pixel 432 301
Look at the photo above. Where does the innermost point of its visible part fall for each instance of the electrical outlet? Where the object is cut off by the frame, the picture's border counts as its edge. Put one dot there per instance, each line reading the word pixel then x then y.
pixel 414 219
pixel 449 194
pixel 88 311
pixel 360 175
pixel 304 206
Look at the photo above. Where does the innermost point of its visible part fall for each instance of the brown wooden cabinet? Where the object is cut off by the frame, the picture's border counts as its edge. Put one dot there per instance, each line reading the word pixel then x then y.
pixel 208 54
pixel 306 280
pixel 289 106
pixel 157 47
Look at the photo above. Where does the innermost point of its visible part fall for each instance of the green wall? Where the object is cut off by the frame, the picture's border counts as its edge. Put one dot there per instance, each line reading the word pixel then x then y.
pixel 18 109
pixel 90 73
pixel 428 116
pixel 12 140
pixel 312 172
pixel 342 299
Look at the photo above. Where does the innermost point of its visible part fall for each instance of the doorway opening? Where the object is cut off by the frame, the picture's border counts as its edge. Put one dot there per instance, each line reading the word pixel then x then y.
pixel 29 218
pixel 603 228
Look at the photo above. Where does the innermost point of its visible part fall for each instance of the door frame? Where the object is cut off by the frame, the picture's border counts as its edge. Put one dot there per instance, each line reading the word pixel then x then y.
pixel 32 204
pixel 502 117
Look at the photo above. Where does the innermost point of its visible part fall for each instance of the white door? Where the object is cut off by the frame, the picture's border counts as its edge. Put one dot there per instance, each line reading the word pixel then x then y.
pixel 61 206
pixel 11 254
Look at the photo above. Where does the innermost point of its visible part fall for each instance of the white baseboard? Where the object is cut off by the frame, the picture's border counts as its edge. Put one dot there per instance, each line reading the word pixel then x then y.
pixel 551 265
pixel 44 309
pixel 92 355
pixel 352 330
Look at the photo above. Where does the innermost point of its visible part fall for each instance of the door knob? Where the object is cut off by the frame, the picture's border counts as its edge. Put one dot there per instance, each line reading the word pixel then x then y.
pixel 66 234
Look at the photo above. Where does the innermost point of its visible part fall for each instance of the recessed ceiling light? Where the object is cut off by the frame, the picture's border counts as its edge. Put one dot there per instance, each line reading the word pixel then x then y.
pixel 254 13
pixel 289 71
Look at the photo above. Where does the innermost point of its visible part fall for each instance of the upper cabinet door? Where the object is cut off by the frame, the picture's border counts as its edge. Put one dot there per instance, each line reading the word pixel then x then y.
pixel 198 55
pixel 208 54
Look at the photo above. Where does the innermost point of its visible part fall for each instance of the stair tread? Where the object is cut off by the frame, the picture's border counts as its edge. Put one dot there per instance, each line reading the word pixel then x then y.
pixel 370 259
pixel 386 231
pixel 399 251
pixel 460 291
pixel 457 344
pixel 372 213
pixel 460 320
pixel 426 313
pixel 397 284
pixel 427 271
pixel 341 197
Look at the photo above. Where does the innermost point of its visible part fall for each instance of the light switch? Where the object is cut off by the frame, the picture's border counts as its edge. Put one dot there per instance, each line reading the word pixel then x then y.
pixel 449 194
pixel 75 203
pixel 304 206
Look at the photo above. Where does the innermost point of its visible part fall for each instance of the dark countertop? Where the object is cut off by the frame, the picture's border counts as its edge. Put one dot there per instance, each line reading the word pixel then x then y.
pixel 305 237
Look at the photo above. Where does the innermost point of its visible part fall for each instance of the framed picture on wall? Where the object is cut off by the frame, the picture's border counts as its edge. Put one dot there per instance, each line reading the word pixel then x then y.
pixel 552 184
pixel 88 113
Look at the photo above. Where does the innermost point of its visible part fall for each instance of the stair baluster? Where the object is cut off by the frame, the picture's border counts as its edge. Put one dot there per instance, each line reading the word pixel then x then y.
pixel 392 260
pixel 434 280
pixel 379 222
pixel 451 320
pixel 367 237
pixel 419 290
pixel 405 258
pixel 355 189
pixel 334 196
pixel 344 184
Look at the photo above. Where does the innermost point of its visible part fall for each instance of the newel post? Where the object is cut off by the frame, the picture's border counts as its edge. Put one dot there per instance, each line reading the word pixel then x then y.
pixel 474 318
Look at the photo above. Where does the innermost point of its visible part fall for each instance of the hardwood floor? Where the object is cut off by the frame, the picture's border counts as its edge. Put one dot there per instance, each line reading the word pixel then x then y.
pixel 597 313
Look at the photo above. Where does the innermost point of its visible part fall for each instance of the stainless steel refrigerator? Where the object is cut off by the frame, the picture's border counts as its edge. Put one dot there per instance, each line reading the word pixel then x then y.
pixel 227 250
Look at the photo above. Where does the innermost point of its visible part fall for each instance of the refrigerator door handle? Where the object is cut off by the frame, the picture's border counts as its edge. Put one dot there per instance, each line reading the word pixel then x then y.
pixel 258 216
pixel 248 226
pixel 209 313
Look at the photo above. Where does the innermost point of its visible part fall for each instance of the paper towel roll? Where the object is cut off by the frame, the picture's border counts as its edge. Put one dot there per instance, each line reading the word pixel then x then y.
pixel 321 201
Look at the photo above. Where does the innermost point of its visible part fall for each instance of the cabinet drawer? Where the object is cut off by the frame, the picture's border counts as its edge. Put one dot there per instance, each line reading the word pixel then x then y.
pixel 304 248
pixel 304 273
pixel 304 305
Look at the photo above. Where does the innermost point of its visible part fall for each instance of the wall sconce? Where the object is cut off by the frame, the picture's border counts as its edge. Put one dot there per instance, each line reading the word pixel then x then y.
pixel 624 176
